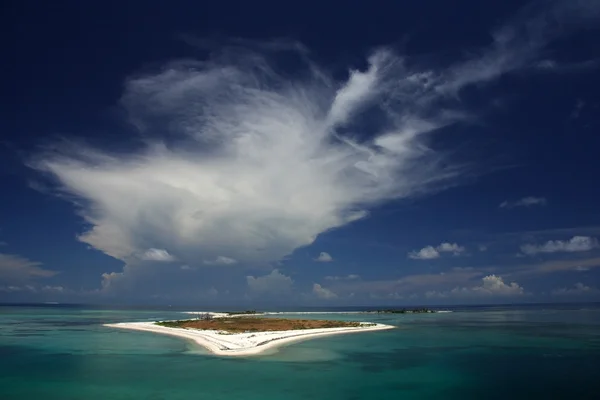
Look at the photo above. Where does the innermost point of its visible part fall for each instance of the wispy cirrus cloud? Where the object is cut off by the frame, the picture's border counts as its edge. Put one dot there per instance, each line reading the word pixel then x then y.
pixel 44 289
pixel 343 278
pixel 407 284
pixel 16 270
pixel 575 244
pixel 221 260
pixel 524 202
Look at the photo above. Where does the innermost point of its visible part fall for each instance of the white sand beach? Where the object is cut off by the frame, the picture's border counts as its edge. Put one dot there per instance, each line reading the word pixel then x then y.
pixel 244 344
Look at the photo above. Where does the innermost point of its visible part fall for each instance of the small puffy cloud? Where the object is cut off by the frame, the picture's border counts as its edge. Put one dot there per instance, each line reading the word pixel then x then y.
pixel 426 253
pixel 494 285
pixel 221 260
pixel 323 293
pixel 343 278
pixel 273 283
pixel 575 244
pixel 453 248
pixel 324 257
pixel 579 289
pixel 525 202
pixel 159 255
pixel 491 286
pixel 15 269
pixel 52 289
pixel 430 252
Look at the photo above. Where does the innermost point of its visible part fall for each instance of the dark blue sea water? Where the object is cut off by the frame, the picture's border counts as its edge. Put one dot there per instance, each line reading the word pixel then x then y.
pixel 527 352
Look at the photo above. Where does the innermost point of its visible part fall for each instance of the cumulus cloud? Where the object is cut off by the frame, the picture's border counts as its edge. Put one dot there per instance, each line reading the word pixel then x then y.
pixel 494 285
pixel 524 202
pixel 453 248
pixel 244 160
pixel 343 278
pixel 578 289
pixel 324 257
pixel 272 284
pixel 157 255
pixel 426 253
pixel 323 293
pixel 16 270
pixel 430 252
pixel 575 244
pixel 491 285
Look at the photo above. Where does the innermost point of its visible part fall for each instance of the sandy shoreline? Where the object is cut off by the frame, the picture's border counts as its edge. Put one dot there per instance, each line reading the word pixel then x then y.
pixel 243 344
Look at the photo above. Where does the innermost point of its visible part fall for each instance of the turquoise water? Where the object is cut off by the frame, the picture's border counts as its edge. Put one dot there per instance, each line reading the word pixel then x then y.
pixel 485 353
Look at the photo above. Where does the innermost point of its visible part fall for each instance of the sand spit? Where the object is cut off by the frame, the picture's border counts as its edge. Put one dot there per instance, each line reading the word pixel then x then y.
pixel 244 344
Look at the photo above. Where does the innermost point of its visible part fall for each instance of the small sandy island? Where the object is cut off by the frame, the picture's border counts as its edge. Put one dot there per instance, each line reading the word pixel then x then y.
pixel 228 335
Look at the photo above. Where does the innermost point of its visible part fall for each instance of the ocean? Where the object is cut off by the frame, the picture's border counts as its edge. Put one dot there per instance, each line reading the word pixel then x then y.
pixel 517 352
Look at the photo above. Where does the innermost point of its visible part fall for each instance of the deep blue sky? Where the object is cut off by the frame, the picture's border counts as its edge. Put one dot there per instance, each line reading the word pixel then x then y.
pixel 181 152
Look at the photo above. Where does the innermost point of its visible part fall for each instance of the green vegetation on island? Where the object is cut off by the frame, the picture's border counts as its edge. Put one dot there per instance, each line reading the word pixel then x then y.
pixel 229 325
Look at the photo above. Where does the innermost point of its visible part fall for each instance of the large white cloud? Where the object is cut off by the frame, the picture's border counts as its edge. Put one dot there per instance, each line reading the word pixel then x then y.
pixel 241 160
pixel 249 163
